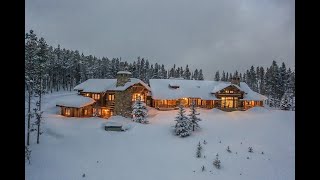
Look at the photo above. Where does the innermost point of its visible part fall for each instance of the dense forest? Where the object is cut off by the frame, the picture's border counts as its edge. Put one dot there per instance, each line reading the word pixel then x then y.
pixel 55 68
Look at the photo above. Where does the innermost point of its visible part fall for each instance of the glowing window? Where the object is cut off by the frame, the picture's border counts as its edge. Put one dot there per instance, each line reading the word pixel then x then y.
pixel 96 96
pixel 67 112
pixel 111 97
pixel 135 96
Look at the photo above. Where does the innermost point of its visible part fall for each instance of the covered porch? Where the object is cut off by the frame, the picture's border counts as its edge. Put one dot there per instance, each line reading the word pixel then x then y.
pixel 186 102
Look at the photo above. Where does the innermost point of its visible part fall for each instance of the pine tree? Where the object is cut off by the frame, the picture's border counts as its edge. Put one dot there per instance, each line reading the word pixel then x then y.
pixel 139 111
pixel 195 75
pixel 193 116
pixel 223 78
pixel 217 162
pixel 286 101
pixel 187 73
pixel 217 76
pixel 31 54
pixel 182 127
pixel 200 77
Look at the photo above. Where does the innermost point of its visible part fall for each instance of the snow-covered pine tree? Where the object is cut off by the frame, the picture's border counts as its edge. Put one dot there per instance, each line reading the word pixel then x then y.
pixel 183 125
pixel 139 112
pixel 286 101
pixel 217 76
pixel 31 53
pixel 187 73
pixel 200 75
pixel 193 116
pixel 217 162
pixel 40 72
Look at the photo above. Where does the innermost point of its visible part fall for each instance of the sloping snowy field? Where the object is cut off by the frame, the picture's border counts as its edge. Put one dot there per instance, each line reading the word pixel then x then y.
pixel 71 147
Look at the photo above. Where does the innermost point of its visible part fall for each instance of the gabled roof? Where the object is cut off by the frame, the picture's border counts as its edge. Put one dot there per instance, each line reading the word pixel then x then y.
pixel 75 100
pixel 223 85
pixel 203 89
pixel 103 85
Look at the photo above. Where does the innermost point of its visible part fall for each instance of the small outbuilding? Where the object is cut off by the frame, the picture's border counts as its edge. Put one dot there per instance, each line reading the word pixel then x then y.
pixel 76 106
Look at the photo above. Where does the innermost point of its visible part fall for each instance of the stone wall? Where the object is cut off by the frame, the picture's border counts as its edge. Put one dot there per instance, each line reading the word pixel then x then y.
pixel 123 103
pixel 122 79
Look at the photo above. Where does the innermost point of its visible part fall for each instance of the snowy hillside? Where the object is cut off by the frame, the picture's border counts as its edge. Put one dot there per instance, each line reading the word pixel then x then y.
pixel 71 147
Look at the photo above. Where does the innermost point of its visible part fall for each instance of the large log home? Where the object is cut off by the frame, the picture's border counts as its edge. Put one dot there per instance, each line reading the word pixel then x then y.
pixel 106 97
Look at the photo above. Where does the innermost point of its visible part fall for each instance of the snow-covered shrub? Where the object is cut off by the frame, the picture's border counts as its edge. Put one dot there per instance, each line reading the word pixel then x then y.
pixel 193 116
pixel 203 168
pixel 139 111
pixel 27 153
pixel 204 142
pixel 228 149
pixel 217 162
pixel 250 150
pixel 182 127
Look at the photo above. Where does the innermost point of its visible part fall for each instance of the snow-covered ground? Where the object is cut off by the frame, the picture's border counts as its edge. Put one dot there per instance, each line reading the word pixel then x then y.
pixel 71 147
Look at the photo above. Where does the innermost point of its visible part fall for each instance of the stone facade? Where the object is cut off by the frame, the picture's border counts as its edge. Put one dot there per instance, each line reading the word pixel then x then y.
pixel 123 103
pixel 122 79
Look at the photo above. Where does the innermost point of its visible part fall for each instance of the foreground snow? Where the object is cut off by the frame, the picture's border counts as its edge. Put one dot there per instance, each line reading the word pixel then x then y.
pixel 71 147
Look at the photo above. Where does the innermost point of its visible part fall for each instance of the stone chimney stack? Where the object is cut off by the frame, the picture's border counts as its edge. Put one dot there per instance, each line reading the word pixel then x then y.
pixel 123 77
pixel 236 81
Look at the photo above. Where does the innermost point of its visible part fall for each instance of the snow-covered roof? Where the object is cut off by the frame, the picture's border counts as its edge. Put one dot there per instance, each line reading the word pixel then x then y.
pixel 187 88
pixel 132 82
pixel 96 85
pixel 223 85
pixel 124 72
pixel 203 89
pixel 103 85
pixel 250 94
pixel 75 100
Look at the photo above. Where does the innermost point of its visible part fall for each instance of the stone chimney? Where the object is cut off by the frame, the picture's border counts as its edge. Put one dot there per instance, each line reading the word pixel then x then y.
pixel 123 77
pixel 236 81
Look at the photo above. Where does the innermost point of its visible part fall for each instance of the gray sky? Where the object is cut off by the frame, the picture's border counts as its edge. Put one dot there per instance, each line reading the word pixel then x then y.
pixel 209 34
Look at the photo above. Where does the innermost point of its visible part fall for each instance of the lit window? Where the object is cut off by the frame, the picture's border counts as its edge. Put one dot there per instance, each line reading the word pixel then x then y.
pixel 67 112
pixel 135 96
pixel 87 94
pixel 111 97
pixel 85 112
pixel 231 92
pixel 227 91
pixel 96 96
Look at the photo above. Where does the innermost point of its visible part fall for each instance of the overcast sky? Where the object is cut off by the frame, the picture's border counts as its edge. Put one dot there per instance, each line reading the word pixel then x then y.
pixel 209 34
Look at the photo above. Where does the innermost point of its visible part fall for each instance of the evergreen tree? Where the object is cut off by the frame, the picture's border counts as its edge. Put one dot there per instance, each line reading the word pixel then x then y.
pixel 182 127
pixel 187 73
pixel 193 116
pixel 217 162
pixel 196 75
pixel 139 111
pixel 223 78
pixel 286 101
pixel 31 54
pixel 200 77
pixel 217 76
